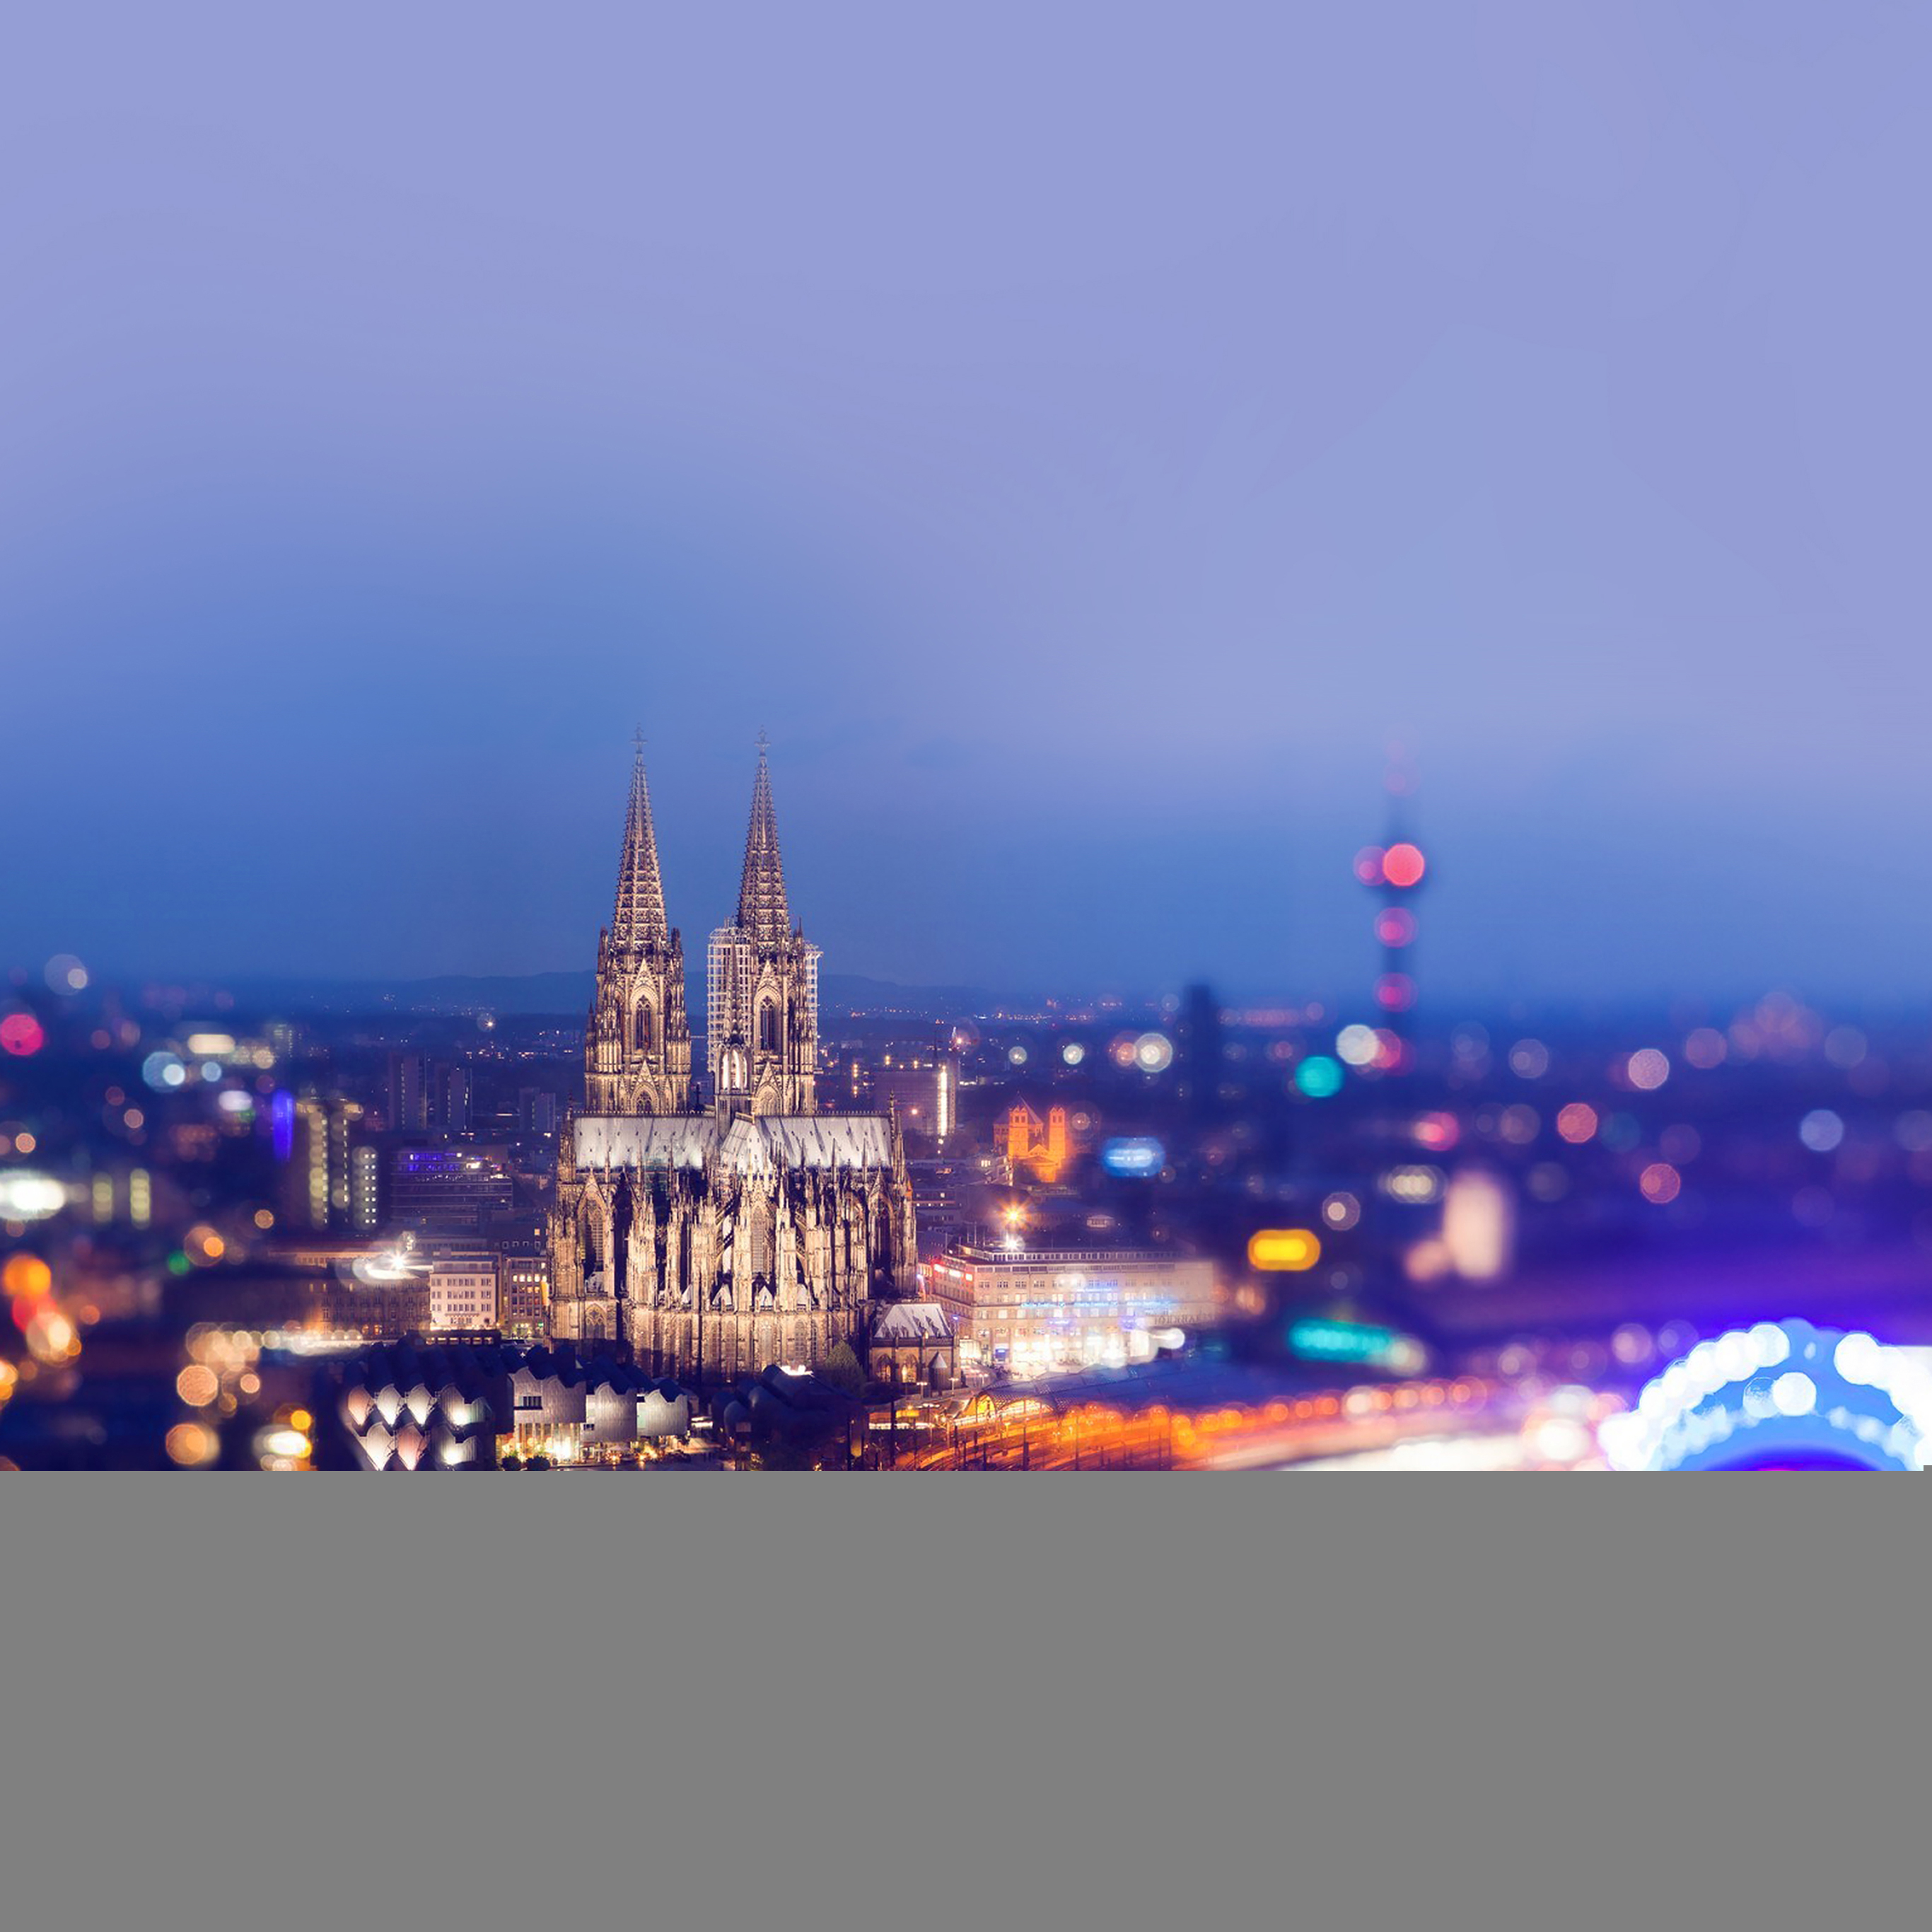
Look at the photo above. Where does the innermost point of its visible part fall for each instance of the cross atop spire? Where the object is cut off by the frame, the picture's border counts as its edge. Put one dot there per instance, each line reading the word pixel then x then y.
pixel 639 919
pixel 762 910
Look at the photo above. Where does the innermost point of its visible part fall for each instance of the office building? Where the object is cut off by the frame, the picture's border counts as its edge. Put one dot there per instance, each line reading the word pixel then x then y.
pixel 522 1293
pixel 1028 1312
pixel 462 1288
pixel 448 1191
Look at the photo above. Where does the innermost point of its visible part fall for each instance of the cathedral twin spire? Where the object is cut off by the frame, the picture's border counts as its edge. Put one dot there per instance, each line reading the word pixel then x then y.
pixel 639 920
pixel 636 1045
pixel 762 983
pixel 762 910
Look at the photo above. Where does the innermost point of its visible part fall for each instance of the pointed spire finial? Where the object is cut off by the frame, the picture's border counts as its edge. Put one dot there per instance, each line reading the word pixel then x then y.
pixel 639 919
pixel 762 909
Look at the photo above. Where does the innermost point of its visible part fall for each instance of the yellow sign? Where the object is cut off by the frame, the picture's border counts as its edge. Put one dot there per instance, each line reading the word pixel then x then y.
pixel 1283 1250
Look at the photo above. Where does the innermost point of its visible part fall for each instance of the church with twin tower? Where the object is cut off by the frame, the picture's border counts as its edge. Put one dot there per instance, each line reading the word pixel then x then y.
pixel 720 1224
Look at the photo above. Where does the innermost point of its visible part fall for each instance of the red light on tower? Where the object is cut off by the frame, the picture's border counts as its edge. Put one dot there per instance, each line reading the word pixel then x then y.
pixel 1394 1054
pixel 1393 872
pixel 1403 865
pixel 1395 992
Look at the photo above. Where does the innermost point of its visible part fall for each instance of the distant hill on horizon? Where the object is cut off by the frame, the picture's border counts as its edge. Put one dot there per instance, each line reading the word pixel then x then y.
pixel 568 993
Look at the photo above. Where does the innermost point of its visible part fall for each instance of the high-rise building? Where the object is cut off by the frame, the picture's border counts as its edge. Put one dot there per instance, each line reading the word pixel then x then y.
pixel 317 1188
pixel 755 1232
pixel 408 1094
pixel 455 1085
pixel 365 1189
pixel 304 1176
pixel 923 1087
pixel 1199 1058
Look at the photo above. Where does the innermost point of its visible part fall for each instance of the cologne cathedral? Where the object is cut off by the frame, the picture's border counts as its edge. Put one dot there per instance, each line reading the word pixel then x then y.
pixel 719 1224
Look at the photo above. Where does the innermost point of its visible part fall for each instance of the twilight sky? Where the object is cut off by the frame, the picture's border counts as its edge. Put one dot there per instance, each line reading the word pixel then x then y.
pixel 1084 437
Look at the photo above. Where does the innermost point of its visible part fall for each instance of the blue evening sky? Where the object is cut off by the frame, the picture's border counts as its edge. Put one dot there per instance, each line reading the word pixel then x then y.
pixel 1085 437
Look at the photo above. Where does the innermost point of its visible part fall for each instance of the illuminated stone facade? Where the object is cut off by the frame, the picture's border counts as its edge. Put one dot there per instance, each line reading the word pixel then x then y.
pixel 718 1240
pixel 637 1053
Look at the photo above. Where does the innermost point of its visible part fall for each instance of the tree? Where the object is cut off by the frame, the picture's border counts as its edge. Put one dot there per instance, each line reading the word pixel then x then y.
pixel 841 1370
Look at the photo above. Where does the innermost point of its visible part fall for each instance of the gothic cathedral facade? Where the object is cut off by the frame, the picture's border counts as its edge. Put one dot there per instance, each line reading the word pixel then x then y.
pixel 717 1226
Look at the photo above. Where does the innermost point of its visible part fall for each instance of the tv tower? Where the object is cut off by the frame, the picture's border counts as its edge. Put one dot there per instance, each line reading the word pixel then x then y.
pixel 1394 873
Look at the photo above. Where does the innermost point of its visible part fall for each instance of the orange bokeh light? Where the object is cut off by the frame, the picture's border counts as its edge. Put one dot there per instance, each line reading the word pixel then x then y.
pixel 191 1444
pixel 197 1386
pixel 26 1276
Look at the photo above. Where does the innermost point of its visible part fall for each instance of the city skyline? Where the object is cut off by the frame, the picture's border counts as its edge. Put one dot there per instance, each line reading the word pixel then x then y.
pixel 922 742
pixel 1339 967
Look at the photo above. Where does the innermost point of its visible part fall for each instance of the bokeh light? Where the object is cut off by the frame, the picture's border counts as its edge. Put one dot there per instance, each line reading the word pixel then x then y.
pixel 1846 1047
pixel 1153 1053
pixel 26 1275
pixel 1284 1250
pixel 1403 865
pixel 1648 1069
pixel 22 1035
pixel 1319 1077
pixel 1660 1183
pixel 1706 1048
pixel 197 1385
pixel 1357 1045
pixel 66 974
pixel 1529 1060
pixel 1341 1211
pixel 193 1445
pixel 1395 992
